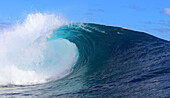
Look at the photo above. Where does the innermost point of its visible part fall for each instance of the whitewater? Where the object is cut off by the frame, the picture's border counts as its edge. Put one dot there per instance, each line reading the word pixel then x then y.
pixel 46 56
pixel 26 57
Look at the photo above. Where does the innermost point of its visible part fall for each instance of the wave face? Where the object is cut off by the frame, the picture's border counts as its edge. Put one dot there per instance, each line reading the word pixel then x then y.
pixel 82 60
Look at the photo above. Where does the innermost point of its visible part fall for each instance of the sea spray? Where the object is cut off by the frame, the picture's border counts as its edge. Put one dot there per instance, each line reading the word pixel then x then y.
pixel 27 57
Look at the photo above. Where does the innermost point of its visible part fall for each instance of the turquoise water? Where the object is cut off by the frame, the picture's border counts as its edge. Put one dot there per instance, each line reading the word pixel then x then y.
pixel 100 61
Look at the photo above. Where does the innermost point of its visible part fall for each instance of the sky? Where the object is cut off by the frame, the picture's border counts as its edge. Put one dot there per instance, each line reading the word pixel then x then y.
pixel 150 16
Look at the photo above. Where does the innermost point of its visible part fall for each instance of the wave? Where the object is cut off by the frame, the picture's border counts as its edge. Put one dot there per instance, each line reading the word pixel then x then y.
pixel 82 60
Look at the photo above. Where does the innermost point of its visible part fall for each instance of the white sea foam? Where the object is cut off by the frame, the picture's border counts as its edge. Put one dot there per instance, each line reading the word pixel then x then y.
pixel 26 57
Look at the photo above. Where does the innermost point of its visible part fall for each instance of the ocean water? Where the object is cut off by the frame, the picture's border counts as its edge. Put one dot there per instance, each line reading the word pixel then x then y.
pixel 45 56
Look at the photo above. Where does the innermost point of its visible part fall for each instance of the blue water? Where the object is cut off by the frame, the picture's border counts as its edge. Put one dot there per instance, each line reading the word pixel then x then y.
pixel 112 62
